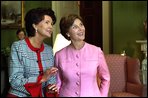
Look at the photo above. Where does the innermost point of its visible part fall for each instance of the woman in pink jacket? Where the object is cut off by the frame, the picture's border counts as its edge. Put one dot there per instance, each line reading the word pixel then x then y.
pixel 79 63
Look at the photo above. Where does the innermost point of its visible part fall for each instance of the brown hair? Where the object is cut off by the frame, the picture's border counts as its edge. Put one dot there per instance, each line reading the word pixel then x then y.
pixel 19 30
pixel 66 22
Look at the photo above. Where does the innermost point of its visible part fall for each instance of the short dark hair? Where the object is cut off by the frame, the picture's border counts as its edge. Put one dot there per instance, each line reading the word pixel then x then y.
pixel 36 15
pixel 19 30
pixel 66 22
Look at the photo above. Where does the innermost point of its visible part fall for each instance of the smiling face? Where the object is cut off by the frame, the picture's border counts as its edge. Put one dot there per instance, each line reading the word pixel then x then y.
pixel 77 31
pixel 45 27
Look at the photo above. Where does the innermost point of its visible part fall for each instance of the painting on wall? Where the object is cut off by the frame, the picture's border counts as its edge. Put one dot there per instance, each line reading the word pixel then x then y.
pixel 11 14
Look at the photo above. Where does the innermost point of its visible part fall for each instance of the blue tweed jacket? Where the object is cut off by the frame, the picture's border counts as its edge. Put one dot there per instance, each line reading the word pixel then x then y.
pixel 26 63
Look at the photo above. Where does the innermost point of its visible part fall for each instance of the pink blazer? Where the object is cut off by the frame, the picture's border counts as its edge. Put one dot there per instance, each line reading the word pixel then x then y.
pixel 77 72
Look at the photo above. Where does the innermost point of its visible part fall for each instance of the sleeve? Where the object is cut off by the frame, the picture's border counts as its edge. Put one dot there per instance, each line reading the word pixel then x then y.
pixel 52 79
pixel 35 89
pixel 16 70
pixel 104 75
pixel 58 76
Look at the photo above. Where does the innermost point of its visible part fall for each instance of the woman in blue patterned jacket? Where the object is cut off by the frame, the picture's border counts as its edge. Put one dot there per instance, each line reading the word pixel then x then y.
pixel 31 70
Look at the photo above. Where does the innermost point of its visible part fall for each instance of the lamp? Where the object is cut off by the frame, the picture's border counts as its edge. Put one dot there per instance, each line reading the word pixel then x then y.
pixel 60 42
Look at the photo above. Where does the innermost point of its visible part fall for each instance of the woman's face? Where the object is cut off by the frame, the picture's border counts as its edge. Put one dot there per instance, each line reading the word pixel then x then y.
pixel 77 31
pixel 21 35
pixel 45 27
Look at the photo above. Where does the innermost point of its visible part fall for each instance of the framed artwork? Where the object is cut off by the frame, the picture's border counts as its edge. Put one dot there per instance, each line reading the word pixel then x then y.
pixel 11 14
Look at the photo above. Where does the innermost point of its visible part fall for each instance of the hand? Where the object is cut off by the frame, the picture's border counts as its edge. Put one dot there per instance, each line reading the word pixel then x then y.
pixel 52 88
pixel 52 71
pixel 48 73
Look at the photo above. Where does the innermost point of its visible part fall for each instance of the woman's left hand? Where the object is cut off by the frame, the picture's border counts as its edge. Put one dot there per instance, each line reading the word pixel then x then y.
pixel 52 88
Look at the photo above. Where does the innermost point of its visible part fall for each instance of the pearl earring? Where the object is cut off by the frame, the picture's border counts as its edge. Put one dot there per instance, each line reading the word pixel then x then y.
pixel 68 35
pixel 36 30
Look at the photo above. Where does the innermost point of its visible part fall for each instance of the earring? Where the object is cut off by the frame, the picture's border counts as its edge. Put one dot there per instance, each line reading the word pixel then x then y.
pixel 36 30
pixel 68 35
